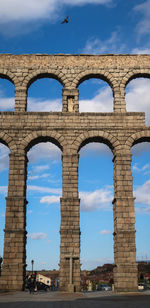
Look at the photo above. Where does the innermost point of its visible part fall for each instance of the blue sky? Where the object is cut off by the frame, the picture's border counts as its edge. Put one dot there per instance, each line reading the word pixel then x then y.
pixel 95 27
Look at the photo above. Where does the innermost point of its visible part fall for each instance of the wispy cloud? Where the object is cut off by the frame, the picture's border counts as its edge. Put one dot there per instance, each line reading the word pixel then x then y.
pixel 143 26
pixel 110 45
pixel 142 194
pixel 50 199
pixel 141 50
pixel 37 236
pixel 104 232
pixel 91 263
pixel 137 96
pixel 41 189
pixel 16 14
pixel 96 200
pixel 3 190
pixel 41 168
pixel 137 169
pixel 45 150
pixel 37 177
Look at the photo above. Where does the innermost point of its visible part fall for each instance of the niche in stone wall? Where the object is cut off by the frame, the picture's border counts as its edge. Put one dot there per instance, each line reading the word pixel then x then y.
pixel 7 96
pixel 141 190
pixel 138 96
pixel 96 211
pixel 45 94
pixel 44 185
pixel 4 168
pixel 95 95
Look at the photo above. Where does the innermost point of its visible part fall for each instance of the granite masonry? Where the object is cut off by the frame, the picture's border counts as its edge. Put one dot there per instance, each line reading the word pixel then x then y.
pixel 70 130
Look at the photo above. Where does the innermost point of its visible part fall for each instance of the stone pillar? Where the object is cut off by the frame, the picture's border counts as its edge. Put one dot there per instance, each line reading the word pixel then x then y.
pixel 125 271
pixel 70 100
pixel 14 257
pixel 119 99
pixel 70 230
pixel 20 99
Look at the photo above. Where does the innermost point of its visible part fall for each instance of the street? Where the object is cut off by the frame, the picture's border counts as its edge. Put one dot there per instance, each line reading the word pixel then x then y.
pixel 63 300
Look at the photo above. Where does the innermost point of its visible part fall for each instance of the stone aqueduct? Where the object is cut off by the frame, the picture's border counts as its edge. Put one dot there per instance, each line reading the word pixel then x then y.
pixel 70 130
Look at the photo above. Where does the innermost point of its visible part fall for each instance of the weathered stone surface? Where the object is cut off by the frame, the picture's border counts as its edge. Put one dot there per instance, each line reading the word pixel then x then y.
pixel 70 130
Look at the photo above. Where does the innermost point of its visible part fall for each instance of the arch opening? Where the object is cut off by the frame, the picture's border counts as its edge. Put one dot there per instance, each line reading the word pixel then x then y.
pixel 44 94
pixel 4 166
pixel 96 139
pixel 137 95
pixel 141 187
pixel 44 184
pixel 45 139
pixel 95 95
pixel 96 215
pixel 7 100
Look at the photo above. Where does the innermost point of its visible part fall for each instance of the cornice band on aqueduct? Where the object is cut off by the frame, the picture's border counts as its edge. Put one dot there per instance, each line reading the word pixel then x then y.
pixel 70 130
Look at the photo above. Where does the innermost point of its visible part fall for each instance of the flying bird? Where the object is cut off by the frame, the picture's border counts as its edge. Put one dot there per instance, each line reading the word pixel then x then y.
pixel 65 20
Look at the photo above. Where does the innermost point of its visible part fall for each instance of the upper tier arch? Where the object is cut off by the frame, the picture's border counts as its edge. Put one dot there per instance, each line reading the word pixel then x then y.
pixel 93 73
pixel 135 73
pixel 95 136
pixel 54 74
pixel 42 136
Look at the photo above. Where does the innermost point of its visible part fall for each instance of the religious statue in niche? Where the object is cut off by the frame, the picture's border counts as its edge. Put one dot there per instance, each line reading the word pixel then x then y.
pixel 70 103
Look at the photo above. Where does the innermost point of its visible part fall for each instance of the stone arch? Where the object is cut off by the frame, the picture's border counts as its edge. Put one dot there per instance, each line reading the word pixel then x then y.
pixel 136 73
pixel 52 73
pixel 95 136
pixel 8 141
pixel 42 136
pixel 94 73
pixel 4 74
pixel 142 136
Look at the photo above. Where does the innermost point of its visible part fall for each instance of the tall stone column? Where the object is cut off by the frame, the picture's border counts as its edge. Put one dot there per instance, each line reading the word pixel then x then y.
pixel 119 99
pixel 20 99
pixel 70 100
pixel 125 271
pixel 70 230
pixel 14 257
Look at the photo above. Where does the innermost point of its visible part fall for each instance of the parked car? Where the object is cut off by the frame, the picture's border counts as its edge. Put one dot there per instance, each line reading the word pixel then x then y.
pixel 141 286
pixel 104 287
pixel 42 286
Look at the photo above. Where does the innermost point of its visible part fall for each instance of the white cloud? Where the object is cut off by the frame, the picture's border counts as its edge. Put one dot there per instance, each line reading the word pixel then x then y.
pixel 141 51
pixel 24 10
pixel 50 199
pixel 102 102
pixel 90 263
pixel 143 27
pixel 7 104
pixel 111 45
pixel 29 212
pixel 37 177
pixel 96 149
pixel 142 193
pixel 4 157
pixel 3 190
pixel 140 148
pixel 46 151
pixel 41 168
pixel 41 189
pixel 137 96
pixel 37 236
pixel 103 232
pixel 137 169
pixel 97 200
pixel 37 105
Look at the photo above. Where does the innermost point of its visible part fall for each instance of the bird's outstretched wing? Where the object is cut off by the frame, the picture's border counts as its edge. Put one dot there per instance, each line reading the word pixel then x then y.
pixel 65 20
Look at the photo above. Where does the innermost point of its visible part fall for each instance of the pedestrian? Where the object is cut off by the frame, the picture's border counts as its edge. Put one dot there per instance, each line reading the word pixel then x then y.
pixel 31 284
